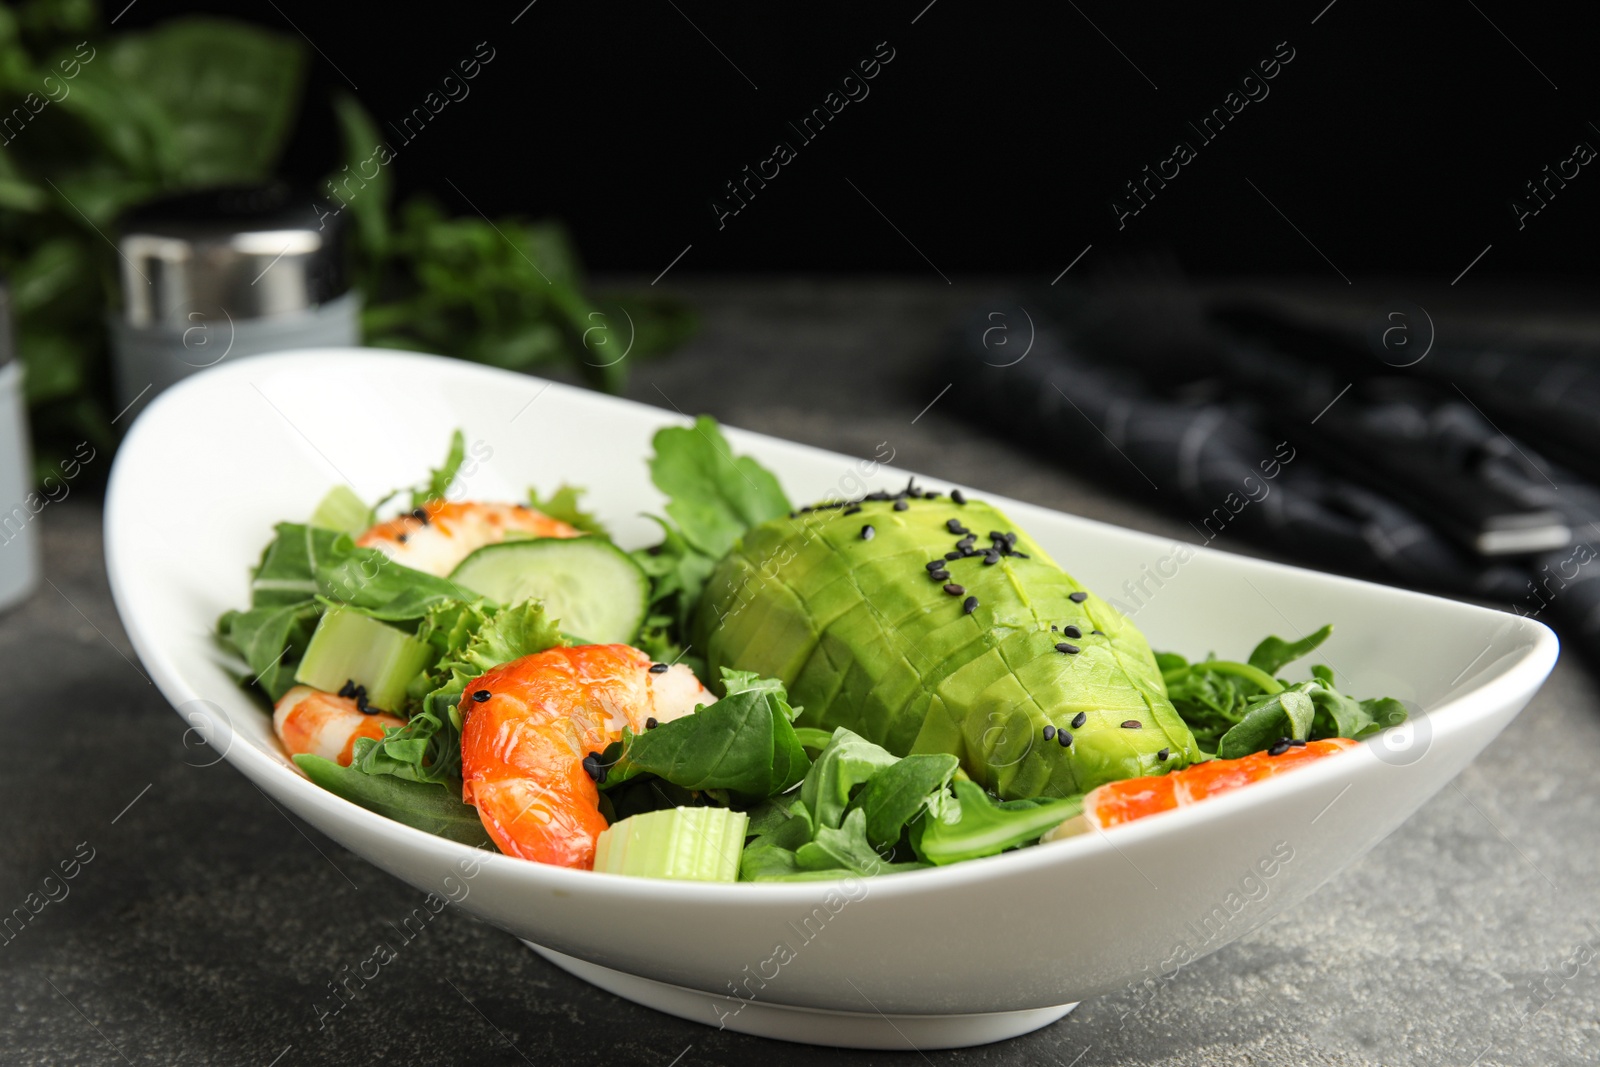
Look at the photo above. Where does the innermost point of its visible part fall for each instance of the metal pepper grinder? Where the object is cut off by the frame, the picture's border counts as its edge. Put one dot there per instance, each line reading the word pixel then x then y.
pixel 222 274
pixel 20 504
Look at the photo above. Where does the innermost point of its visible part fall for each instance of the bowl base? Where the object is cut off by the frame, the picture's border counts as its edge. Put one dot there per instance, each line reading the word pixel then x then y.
pixel 810 1026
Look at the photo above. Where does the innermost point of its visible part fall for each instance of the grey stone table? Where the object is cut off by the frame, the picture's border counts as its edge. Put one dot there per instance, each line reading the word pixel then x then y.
pixel 202 924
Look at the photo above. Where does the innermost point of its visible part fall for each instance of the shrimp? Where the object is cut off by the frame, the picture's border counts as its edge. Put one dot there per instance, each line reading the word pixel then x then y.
pixel 1116 803
pixel 439 535
pixel 528 728
pixel 309 721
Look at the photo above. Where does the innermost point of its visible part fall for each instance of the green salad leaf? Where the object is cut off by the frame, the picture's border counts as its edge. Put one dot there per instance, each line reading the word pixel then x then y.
pixel 742 745
pixel 978 825
pixel 563 504
pixel 1236 708
pixel 713 497
pixel 439 479
pixel 470 638
pixel 433 808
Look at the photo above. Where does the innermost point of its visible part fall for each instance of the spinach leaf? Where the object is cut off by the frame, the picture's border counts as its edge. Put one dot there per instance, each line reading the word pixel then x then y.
pixel 742 744
pixel 435 809
pixel 895 795
pixel 977 825
pixel 1274 653
pixel 849 761
pixel 1284 714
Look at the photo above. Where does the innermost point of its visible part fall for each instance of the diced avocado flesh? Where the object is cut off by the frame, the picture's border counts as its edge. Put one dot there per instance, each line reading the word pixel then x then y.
pixel 350 647
pixel 590 585
pixel 864 637
pixel 690 844
pixel 342 510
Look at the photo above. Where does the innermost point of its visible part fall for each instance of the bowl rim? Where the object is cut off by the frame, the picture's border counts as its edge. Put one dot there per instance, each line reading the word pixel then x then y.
pixel 272 772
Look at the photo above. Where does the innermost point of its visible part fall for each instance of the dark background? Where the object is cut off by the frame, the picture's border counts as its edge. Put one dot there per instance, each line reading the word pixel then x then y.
pixel 996 138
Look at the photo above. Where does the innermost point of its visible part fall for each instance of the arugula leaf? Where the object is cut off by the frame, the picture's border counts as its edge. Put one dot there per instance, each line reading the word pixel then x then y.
pixel 434 809
pixel 980 826
pixel 272 639
pixel 439 479
pixel 714 496
pixel 742 744
pixel 1274 653
pixel 563 504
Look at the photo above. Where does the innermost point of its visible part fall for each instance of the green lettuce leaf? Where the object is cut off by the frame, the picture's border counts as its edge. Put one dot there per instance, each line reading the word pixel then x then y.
pixel 470 640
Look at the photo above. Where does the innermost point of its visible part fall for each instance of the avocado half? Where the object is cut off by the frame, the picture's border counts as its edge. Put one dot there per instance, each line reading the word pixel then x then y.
pixel 975 658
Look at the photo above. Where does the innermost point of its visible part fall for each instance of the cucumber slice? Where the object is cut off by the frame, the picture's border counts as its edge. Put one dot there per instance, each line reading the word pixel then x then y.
pixel 342 510
pixel 350 647
pixel 690 844
pixel 587 584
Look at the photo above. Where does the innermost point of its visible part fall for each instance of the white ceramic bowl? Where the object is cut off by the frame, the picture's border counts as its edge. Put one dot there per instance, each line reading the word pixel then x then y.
pixel 954 956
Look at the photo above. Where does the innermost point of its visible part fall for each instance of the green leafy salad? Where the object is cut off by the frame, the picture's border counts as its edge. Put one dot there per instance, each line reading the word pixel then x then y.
pixel 899 680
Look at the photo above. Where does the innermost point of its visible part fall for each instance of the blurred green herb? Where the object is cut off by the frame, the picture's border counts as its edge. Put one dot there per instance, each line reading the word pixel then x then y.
pixel 93 122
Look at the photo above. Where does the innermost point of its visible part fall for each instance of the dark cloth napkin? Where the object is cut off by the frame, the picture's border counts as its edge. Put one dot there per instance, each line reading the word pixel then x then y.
pixel 1211 420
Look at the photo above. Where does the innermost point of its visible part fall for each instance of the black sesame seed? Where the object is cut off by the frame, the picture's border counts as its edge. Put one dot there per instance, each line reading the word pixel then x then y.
pixel 1078 598
pixel 952 555
pixel 1064 647
pixel 996 535
pixel 1052 626
pixel 969 605
pixel 348 689
pixel 853 509
pixel 1049 733
pixel 867 532
pixel 363 707
pixel 956 495
pixel 403 538
pixel 940 575
pixel 1071 631
pixel 991 558
pixel 1102 633
pixel 934 565
pixel 900 505
pixel 879 495
pixel 419 513
pixel 1063 739
pixel 931 494
pixel 1297 743
pixel 1278 747
pixel 955 527
pixel 1132 724
pixel 658 668
pixel 591 767
pixel 955 590
pixel 651 723
pixel 1163 754
pixel 966 542
pixel 1079 719
pixel 481 695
